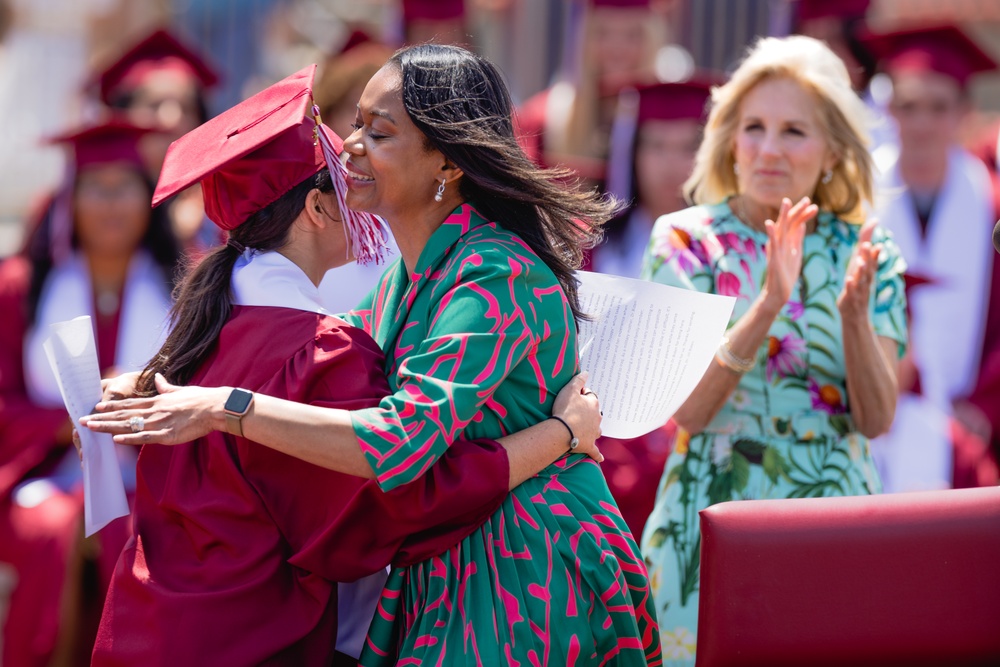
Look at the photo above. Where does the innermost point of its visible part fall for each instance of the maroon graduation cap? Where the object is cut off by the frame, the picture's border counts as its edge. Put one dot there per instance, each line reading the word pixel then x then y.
pixel 433 10
pixel 158 52
pixel 943 49
pixel 675 101
pixel 115 140
pixel 807 10
pixel 250 155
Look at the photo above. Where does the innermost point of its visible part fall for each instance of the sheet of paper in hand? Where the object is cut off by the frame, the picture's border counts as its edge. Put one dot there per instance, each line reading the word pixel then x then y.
pixel 72 353
pixel 646 347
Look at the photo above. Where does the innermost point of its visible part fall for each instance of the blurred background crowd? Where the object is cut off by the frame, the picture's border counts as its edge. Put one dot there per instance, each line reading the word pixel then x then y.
pixel 51 51
pixel 616 90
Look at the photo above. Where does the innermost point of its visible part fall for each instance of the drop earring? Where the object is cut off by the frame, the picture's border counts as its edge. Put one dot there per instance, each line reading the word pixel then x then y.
pixel 736 169
pixel 440 192
pixel 827 176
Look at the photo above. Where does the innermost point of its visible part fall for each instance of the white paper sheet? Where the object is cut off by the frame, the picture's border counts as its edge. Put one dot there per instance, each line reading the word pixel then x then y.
pixel 72 353
pixel 646 348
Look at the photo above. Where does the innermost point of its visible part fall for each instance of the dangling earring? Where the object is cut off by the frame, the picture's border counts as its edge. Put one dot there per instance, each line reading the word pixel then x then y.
pixel 440 193
pixel 827 176
pixel 736 169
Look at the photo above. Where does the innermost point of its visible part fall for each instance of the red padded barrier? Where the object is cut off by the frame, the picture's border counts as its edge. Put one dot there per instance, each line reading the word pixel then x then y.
pixel 903 579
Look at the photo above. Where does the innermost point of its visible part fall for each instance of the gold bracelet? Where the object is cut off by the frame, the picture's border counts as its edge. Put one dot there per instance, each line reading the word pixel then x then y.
pixel 724 355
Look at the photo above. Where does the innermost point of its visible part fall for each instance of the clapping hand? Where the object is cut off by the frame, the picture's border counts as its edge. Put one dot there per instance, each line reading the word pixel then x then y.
pixel 784 248
pixel 854 298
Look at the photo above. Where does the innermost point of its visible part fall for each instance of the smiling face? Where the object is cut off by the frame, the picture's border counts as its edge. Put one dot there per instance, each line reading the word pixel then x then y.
pixel 780 147
pixel 392 172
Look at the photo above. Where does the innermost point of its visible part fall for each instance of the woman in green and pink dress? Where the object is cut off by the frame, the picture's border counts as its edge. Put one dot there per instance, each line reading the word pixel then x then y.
pixel 807 373
pixel 478 323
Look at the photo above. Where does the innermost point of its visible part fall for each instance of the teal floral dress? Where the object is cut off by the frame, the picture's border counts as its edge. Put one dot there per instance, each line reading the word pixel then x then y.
pixel 786 431
pixel 478 342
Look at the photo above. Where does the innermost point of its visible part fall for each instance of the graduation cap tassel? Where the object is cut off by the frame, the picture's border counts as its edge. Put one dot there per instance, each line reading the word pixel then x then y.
pixel 365 232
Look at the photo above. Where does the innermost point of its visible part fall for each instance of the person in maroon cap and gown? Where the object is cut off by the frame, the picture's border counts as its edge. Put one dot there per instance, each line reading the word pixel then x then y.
pixel 98 251
pixel 937 201
pixel 161 82
pixel 238 546
pixel 568 124
pixel 659 128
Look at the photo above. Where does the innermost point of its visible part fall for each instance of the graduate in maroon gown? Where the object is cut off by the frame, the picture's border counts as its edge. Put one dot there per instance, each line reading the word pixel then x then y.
pixel 98 251
pixel 238 546
pixel 937 200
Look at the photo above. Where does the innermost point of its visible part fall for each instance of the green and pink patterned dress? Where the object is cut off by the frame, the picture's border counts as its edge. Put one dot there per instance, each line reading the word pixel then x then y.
pixel 786 431
pixel 478 343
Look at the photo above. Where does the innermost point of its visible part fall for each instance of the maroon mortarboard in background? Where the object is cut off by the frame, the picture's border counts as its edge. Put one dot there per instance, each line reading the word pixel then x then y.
pixel 433 10
pixel 942 49
pixel 807 10
pixel 250 155
pixel 115 140
pixel 674 101
pixel 157 52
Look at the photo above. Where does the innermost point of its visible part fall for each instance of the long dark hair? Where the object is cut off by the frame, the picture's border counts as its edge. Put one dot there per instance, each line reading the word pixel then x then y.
pixel 159 241
pixel 203 300
pixel 459 101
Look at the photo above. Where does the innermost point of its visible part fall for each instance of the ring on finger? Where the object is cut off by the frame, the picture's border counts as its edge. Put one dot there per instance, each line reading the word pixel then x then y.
pixel 136 424
pixel 591 392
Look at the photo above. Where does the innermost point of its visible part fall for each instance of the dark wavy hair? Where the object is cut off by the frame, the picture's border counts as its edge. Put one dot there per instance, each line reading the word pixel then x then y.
pixel 203 300
pixel 459 101
pixel 159 241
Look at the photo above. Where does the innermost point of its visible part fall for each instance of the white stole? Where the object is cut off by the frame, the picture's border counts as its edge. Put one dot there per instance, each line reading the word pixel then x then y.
pixel 271 279
pixel 67 293
pixel 948 316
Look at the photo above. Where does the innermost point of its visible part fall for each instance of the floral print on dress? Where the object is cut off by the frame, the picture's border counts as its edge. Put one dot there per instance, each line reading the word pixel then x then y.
pixel 786 430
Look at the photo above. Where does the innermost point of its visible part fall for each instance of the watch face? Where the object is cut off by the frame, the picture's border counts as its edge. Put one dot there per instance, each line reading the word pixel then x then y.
pixel 239 401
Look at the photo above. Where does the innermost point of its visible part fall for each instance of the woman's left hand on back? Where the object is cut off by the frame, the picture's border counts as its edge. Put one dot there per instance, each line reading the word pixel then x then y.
pixel 175 416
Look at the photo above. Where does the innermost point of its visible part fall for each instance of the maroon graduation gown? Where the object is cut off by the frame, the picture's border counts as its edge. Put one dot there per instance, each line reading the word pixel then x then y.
pixel 237 545
pixel 40 540
pixel 37 541
pixel 27 431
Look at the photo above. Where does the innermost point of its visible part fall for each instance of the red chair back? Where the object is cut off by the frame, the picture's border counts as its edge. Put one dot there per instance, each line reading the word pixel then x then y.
pixel 903 579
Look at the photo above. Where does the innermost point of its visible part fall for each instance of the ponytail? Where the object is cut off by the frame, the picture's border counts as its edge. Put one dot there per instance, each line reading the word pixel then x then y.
pixel 203 300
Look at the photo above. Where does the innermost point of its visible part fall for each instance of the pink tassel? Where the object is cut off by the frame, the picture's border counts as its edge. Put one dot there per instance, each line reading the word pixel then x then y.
pixel 365 232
